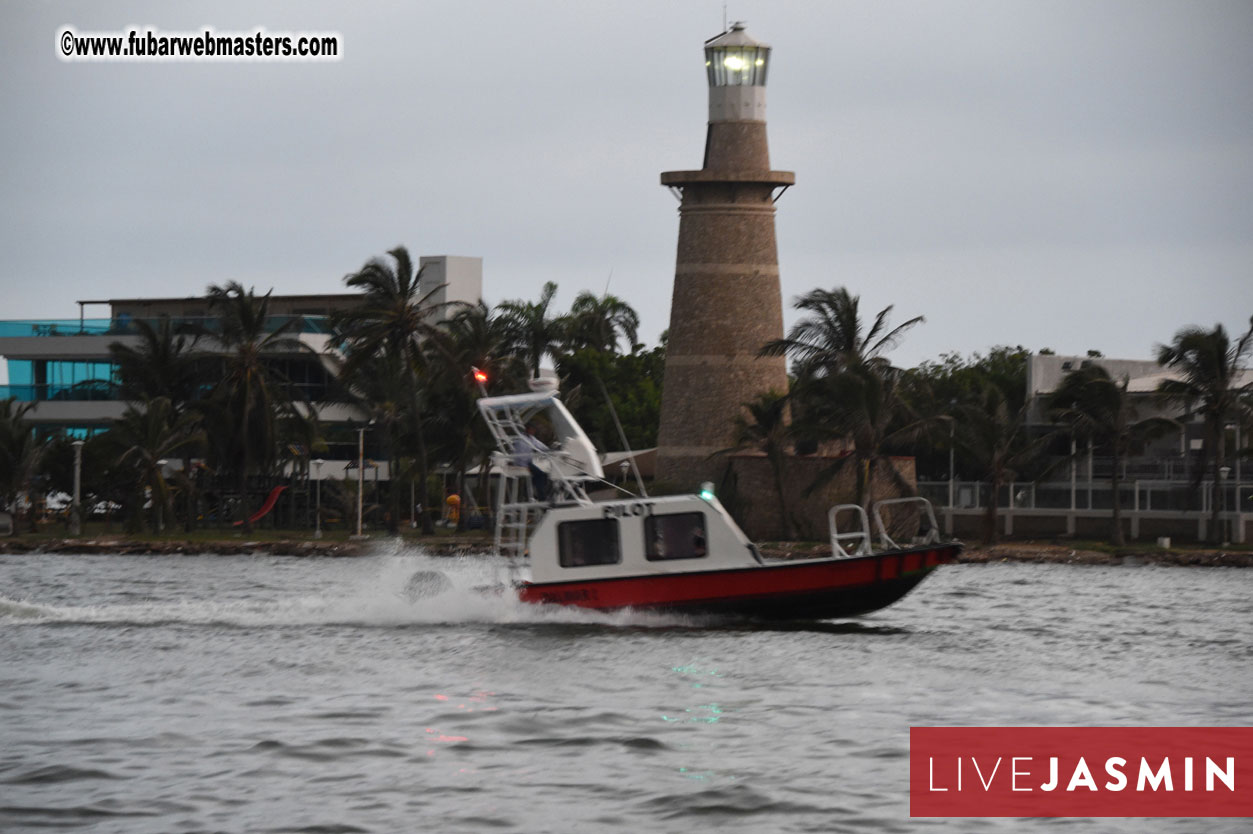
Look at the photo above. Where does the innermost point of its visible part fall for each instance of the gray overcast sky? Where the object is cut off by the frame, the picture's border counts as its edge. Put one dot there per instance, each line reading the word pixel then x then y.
pixel 1070 175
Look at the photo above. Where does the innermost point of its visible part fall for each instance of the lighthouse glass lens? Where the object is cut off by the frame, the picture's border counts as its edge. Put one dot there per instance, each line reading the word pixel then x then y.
pixel 737 66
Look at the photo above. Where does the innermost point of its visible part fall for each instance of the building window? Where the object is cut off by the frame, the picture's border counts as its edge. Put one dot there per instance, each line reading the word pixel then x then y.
pixel 593 542
pixel 675 536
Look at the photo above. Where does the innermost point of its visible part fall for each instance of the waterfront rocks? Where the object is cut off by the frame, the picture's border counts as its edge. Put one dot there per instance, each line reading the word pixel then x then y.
pixel 139 547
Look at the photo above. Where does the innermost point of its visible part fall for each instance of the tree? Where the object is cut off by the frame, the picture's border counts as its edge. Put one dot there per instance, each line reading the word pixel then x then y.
pixel 1210 368
pixel 393 317
pixel 472 338
pixel 764 428
pixel 383 389
pixel 994 435
pixel 832 336
pixel 252 394
pixel 163 364
pixel 954 378
pixel 100 477
pixel 146 435
pixel 846 388
pixel 1098 409
pixel 600 322
pixel 532 332
pixel 633 385
pixel 21 452
pixel 946 386
pixel 864 404
pixel 392 320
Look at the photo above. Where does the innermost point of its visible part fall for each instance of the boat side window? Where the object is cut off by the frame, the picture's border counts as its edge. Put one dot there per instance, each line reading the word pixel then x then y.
pixel 675 536
pixel 592 542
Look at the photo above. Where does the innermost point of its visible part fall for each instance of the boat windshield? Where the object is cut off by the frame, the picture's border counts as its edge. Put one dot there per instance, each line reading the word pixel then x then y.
pixel 508 417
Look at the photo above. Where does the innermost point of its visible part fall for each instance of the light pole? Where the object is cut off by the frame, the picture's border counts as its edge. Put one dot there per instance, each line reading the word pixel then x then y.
pixel 361 472
pixel 317 513
pixel 1238 509
pixel 158 499
pixel 1223 472
pixel 951 468
pixel 76 508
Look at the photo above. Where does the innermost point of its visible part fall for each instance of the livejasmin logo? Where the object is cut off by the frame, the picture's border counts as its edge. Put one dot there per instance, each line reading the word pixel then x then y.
pixel 1081 771
pixel 1081 774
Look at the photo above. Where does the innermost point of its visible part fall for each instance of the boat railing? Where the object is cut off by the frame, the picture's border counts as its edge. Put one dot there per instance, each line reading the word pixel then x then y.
pixel 854 537
pixel 860 534
pixel 517 509
pixel 927 532
pixel 518 506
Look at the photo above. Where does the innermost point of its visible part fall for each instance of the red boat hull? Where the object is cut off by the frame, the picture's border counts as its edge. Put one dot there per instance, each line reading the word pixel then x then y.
pixel 808 589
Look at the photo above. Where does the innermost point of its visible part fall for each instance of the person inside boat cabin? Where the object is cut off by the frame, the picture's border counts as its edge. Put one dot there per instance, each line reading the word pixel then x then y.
pixel 524 449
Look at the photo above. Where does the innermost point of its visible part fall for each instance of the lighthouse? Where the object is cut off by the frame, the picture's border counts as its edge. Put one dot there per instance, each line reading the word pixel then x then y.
pixel 726 302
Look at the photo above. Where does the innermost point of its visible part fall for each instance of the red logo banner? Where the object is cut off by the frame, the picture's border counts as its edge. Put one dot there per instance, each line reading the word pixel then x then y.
pixel 1081 771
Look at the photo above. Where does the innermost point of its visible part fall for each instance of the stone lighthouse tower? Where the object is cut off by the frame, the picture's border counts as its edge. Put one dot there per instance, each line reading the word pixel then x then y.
pixel 726 301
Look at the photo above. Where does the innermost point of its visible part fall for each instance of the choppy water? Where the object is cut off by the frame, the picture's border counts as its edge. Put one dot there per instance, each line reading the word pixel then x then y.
pixel 272 694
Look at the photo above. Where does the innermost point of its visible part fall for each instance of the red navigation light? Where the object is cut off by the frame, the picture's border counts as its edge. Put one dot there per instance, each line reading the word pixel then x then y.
pixel 480 377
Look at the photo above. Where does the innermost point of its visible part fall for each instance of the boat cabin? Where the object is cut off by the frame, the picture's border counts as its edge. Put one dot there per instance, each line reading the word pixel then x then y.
pixel 637 537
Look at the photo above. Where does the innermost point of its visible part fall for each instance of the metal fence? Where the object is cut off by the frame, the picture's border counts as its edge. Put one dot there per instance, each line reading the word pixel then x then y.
pixel 1057 506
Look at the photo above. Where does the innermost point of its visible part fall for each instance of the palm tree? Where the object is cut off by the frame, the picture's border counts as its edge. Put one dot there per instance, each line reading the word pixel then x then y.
pixel 764 427
pixel 146 436
pixel 392 320
pixel 163 364
pixel 846 388
pixel 600 322
pixel 864 404
pixel 994 435
pixel 833 337
pixel 393 316
pixel 252 394
pixel 1211 385
pixel 1098 409
pixel 532 332
pixel 21 452
pixel 383 389
pixel 473 338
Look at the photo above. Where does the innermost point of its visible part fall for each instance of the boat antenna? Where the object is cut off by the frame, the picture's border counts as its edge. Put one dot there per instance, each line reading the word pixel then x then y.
pixel 607 280
pixel 613 412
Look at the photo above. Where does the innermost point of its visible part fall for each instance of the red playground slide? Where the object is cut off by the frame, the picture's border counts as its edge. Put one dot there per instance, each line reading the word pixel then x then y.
pixel 270 501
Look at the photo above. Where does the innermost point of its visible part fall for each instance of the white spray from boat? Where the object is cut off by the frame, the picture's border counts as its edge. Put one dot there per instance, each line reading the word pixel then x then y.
pixel 395 587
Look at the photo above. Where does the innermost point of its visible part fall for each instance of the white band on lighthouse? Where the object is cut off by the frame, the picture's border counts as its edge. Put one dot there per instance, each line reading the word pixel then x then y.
pixel 737 104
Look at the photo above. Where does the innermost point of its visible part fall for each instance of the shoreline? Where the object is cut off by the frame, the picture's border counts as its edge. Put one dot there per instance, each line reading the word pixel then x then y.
pixel 235 547
pixel 1023 551
pixel 1204 557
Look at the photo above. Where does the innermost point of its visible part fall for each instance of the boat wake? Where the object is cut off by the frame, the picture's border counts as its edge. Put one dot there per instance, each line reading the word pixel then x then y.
pixel 388 591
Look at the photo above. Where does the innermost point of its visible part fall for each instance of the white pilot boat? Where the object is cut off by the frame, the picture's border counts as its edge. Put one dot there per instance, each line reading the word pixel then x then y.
pixel 679 552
